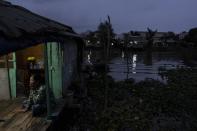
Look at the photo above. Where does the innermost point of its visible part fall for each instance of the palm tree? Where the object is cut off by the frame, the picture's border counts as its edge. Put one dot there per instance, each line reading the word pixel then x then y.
pixel 149 37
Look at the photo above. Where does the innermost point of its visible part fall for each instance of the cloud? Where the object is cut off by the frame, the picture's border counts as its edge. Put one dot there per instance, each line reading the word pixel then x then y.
pixel 175 15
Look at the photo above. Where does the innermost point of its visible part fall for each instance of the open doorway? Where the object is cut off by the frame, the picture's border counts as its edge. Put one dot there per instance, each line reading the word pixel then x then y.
pixel 28 61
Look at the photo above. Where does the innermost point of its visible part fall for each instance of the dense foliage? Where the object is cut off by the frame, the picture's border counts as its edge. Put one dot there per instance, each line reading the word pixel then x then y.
pixel 146 105
pixel 192 36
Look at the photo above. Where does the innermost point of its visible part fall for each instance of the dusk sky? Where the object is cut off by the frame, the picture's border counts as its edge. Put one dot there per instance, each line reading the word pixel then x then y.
pixel 126 15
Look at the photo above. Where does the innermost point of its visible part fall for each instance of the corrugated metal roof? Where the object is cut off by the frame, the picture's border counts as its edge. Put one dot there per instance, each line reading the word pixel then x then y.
pixel 20 28
pixel 16 21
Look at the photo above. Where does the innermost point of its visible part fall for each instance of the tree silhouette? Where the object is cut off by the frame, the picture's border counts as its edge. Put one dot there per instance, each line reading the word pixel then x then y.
pixel 149 37
pixel 103 32
pixel 192 36
pixel 91 37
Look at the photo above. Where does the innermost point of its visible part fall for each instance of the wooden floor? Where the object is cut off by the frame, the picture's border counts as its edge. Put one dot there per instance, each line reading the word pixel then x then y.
pixel 13 120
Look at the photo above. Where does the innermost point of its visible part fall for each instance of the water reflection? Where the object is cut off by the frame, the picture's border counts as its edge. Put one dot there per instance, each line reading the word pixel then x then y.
pixel 134 63
pixel 89 58
pixel 138 65
pixel 122 54
pixel 148 58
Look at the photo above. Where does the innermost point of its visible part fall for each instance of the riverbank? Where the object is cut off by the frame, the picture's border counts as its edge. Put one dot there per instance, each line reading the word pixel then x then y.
pixel 145 105
pixel 172 47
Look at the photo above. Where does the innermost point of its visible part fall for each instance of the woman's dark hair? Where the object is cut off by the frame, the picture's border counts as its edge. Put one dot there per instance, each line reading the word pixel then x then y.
pixel 39 78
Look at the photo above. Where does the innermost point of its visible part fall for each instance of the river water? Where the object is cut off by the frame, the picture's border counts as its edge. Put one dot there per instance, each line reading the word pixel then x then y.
pixel 137 65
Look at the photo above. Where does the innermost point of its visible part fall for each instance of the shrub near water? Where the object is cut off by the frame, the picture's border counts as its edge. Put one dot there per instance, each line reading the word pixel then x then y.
pixel 147 105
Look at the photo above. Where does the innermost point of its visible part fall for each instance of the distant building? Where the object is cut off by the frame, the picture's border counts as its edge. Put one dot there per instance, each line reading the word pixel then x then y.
pixel 138 39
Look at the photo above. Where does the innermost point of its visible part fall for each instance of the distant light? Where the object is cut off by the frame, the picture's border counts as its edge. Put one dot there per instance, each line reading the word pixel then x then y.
pixel 98 42
pixel 135 42
pixel 131 42
pixel 112 44
pixel 88 41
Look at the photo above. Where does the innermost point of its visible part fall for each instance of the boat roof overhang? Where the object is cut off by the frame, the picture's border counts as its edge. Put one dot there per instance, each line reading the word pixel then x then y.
pixel 20 28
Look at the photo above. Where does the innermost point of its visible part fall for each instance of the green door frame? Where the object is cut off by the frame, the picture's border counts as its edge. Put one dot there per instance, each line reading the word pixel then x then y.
pixel 12 74
pixel 55 68
pixel 53 72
